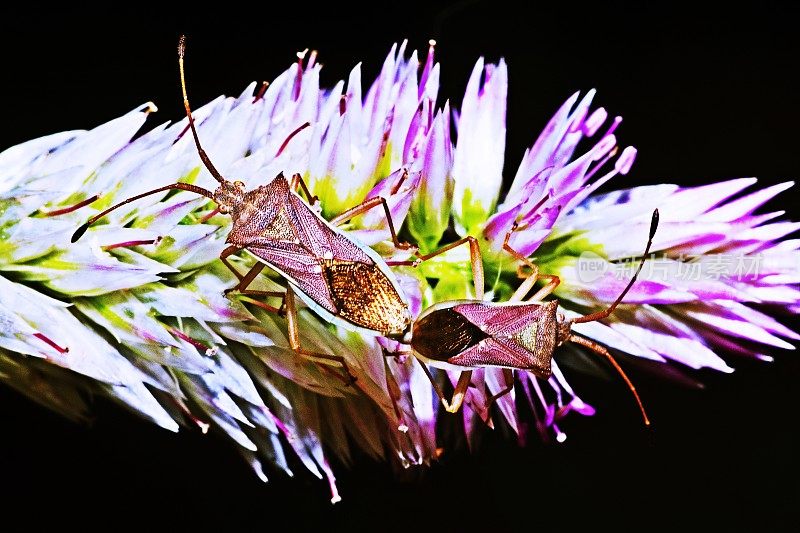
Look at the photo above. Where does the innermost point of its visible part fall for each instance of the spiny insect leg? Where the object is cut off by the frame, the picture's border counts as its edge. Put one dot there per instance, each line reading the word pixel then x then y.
pixel 230 250
pixel 294 341
pixel 245 281
pixel 587 343
pixel 552 280
pixel 298 184
pixel 475 259
pixel 508 377
pixel 476 262
pixel 454 404
pixel 365 206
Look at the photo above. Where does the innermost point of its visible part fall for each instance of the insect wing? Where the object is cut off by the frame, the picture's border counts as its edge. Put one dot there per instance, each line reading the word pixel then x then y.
pixel 503 320
pixel 302 269
pixel 502 353
pixel 518 335
pixel 346 282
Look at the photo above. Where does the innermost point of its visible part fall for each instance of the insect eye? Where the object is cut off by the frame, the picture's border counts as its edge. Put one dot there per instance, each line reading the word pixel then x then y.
pixel 238 184
pixel 224 209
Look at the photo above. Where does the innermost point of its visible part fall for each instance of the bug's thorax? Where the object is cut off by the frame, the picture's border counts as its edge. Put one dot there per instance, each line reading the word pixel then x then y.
pixel 255 212
pixel 328 270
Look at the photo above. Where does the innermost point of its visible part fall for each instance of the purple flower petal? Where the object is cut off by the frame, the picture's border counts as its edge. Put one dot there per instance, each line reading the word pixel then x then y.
pixel 738 328
pixel 747 204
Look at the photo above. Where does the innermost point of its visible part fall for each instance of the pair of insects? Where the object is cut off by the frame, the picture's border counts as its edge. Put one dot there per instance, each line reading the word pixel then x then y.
pixel 350 285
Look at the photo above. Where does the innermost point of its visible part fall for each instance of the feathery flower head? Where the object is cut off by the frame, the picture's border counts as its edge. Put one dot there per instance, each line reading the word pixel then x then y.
pixel 136 310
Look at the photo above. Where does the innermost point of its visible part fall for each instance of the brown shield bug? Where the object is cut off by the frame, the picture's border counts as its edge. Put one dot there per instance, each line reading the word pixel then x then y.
pixel 345 282
pixel 522 335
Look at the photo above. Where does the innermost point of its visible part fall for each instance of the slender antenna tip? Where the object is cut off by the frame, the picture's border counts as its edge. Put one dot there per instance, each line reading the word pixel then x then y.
pixel 181 45
pixel 79 232
pixel 654 223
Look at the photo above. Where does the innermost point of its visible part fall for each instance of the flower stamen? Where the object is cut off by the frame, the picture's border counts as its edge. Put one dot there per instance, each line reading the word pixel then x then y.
pixel 290 137
pixel 47 340
pixel 298 81
pixel 208 350
pixel 423 79
pixel 71 208
pixel 595 120
pixel 614 125
pixel 608 156
pixel 203 425
pixel 130 244
pixel 261 91
pixel 209 216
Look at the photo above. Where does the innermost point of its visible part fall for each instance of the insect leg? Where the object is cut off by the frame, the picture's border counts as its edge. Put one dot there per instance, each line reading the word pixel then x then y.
pixel 587 343
pixel 399 355
pixel 508 377
pixel 395 394
pixel 552 280
pixel 298 184
pixel 459 392
pixel 249 277
pixel 455 402
pixel 230 250
pixel 365 206
pixel 476 262
pixel 294 340
pixel 246 279
pixel 475 259
pixel 526 286
pixel 208 216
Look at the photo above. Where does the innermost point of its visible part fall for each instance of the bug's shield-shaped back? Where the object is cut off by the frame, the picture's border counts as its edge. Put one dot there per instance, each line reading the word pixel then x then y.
pixel 321 262
pixel 477 334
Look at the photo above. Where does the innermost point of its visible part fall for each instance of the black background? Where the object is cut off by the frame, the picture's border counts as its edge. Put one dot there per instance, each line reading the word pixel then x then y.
pixel 705 97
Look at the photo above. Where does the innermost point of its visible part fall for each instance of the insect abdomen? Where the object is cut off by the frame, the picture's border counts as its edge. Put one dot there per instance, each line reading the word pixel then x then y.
pixel 364 296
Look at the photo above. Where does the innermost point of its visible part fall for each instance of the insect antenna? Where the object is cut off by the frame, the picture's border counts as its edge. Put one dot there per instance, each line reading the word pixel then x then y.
pixel 182 186
pixel 604 314
pixel 203 156
pixel 600 315
pixel 577 339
